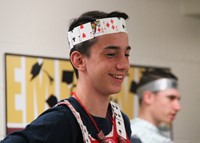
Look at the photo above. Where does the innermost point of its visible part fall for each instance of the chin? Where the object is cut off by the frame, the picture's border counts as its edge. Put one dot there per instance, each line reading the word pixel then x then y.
pixel 169 121
pixel 116 91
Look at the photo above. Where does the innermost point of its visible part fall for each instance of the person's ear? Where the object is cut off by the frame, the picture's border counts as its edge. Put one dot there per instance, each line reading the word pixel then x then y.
pixel 77 59
pixel 148 97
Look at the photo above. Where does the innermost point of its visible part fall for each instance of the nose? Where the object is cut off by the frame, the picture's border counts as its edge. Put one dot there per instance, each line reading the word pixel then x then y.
pixel 177 105
pixel 123 63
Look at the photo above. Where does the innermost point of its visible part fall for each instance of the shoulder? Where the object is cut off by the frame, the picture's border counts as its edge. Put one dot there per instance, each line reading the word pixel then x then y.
pixel 59 118
pixel 135 123
pixel 147 132
pixel 119 112
pixel 116 108
pixel 127 124
pixel 57 124
pixel 126 118
pixel 139 127
pixel 57 114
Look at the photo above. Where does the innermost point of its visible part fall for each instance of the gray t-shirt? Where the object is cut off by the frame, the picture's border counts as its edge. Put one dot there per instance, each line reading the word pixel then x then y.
pixel 147 132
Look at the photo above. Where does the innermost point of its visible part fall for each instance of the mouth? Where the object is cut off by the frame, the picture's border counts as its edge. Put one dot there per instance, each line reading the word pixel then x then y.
pixel 117 77
pixel 173 116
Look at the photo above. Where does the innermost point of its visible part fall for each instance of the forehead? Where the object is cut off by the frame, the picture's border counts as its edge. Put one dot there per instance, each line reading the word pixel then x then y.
pixel 116 39
pixel 170 92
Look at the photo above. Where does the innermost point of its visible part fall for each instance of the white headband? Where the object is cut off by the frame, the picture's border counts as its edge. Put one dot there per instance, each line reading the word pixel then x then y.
pixel 157 85
pixel 96 28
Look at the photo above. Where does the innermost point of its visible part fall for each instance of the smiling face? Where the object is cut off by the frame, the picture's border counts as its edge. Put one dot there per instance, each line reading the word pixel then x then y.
pixel 108 63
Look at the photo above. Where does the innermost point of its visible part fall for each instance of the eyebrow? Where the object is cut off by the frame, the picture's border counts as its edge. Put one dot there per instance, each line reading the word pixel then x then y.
pixel 172 95
pixel 116 47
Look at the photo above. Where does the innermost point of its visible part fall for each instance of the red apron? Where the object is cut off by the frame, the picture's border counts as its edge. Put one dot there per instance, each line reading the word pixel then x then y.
pixel 117 134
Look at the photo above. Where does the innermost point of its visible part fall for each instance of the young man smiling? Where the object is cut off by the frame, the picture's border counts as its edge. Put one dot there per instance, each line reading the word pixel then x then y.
pixel 100 57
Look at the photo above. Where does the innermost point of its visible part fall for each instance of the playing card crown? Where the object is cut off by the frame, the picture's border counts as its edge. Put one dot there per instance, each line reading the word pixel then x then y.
pixel 96 28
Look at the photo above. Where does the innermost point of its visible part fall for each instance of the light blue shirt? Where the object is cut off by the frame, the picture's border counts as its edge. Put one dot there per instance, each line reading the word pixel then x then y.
pixel 147 132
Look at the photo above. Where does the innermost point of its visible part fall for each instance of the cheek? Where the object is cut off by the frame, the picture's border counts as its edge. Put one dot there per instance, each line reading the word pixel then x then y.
pixel 161 104
pixel 164 107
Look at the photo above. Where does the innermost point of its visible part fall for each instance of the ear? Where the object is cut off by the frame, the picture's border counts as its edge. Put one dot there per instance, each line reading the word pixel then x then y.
pixel 77 59
pixel 148 97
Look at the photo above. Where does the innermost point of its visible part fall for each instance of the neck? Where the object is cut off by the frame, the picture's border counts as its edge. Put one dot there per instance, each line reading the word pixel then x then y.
pixel 146 115
pixel 95 104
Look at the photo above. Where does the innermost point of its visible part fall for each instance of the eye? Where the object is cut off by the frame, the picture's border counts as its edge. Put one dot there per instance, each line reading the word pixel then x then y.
pixel 171 98
pixel 127 55
pixel 111 54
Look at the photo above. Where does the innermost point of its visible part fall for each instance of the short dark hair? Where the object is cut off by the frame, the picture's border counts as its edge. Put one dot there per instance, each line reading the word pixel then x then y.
pixel 90 16
pixel 152 74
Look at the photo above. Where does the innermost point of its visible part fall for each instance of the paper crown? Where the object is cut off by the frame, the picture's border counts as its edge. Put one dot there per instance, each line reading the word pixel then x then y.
pixel 158 85
pixel 96 28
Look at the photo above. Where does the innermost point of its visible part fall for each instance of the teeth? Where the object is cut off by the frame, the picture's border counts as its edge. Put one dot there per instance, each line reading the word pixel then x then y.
pixel 118 76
